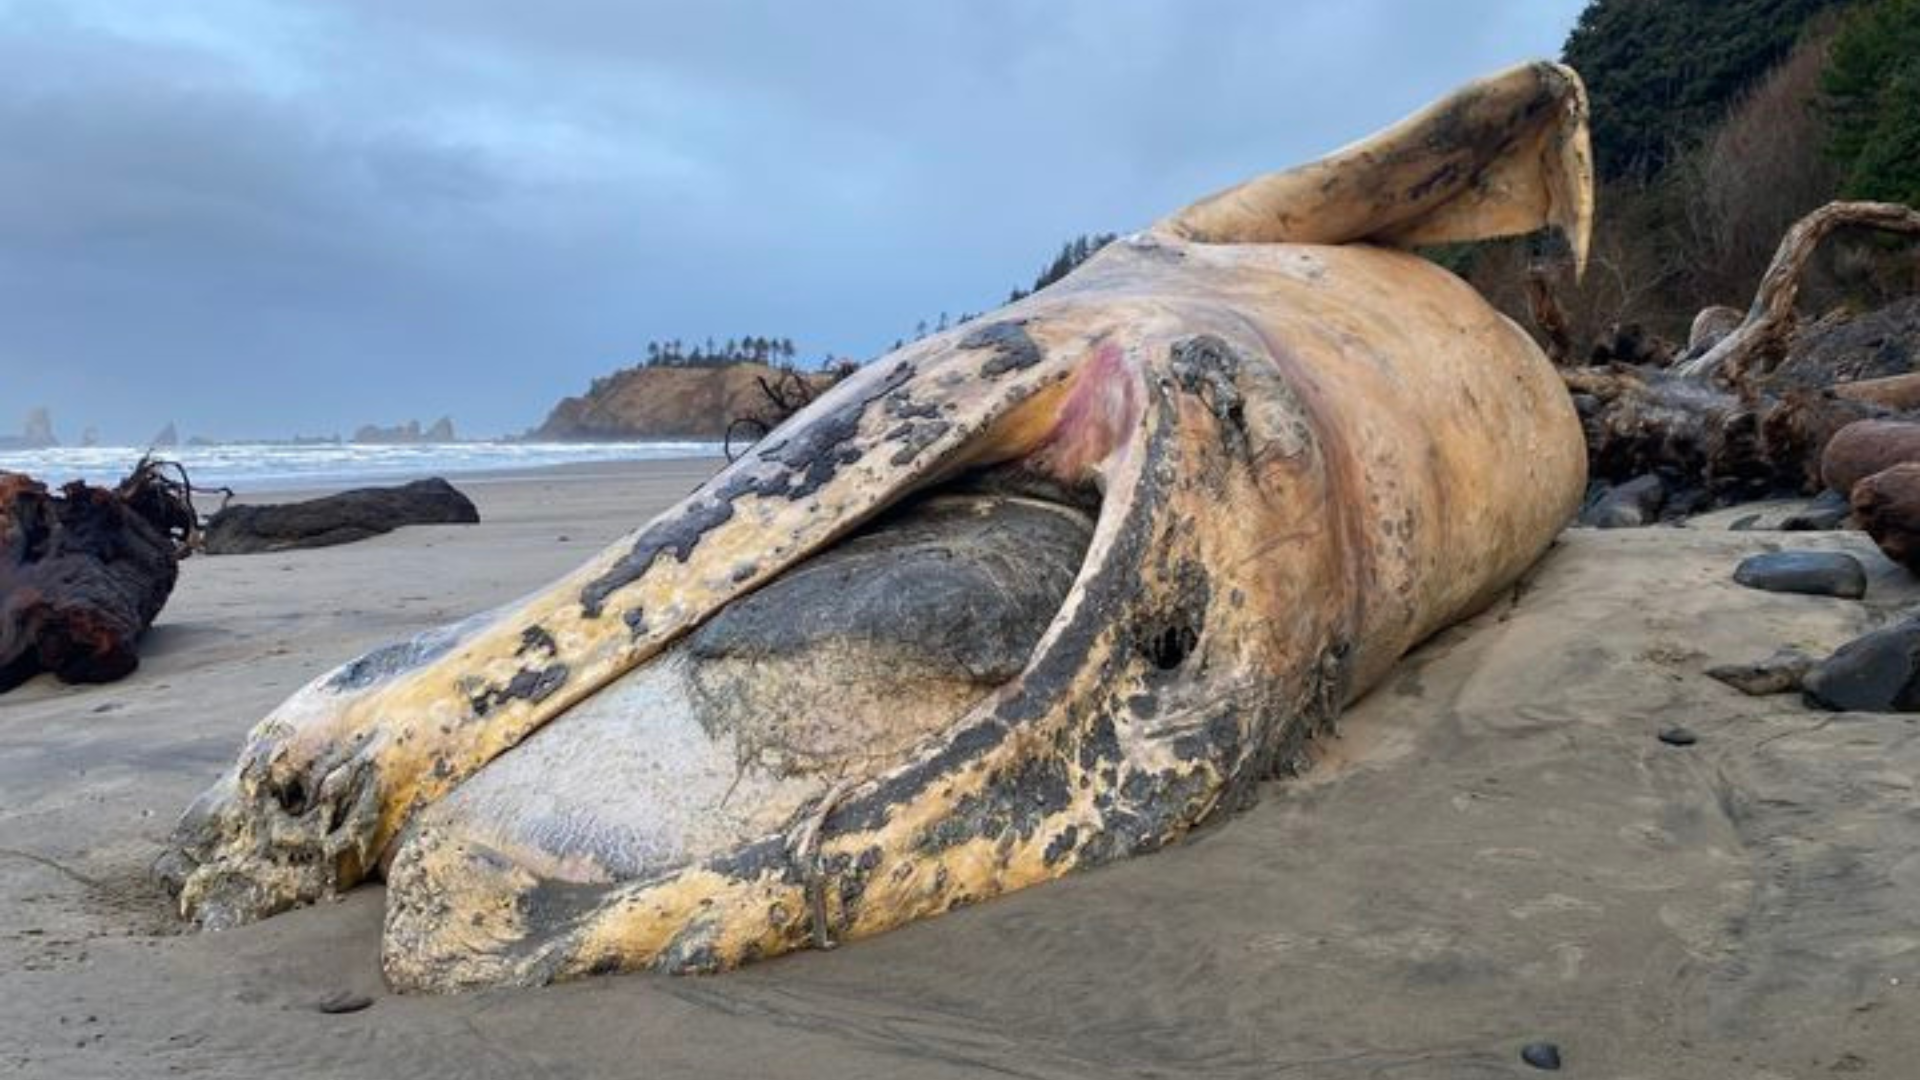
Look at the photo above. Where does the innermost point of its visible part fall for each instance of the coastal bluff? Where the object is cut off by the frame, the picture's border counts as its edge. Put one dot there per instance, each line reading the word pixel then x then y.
pixel 661 401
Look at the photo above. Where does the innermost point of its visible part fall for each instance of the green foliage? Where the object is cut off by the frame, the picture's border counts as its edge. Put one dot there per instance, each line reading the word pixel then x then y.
pixel 1661 72
pixel 1872 88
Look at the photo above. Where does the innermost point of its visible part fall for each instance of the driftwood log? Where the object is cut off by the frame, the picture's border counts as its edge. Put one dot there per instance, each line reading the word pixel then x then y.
pixel 1761 340
pixel 83 573
pixel 1738 418
pixel 336 519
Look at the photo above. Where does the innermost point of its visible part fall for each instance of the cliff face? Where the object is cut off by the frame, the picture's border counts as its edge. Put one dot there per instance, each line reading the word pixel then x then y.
pixel 662 402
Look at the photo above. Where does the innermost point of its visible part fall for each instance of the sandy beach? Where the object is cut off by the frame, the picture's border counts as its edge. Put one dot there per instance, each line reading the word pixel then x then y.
pixel 1496 851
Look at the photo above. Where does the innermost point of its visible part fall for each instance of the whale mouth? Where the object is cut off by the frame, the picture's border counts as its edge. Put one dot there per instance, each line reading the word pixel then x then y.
pixel 827 674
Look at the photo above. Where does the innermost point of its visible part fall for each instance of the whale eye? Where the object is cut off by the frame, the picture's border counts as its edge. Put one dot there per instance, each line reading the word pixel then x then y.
pixel 1167 649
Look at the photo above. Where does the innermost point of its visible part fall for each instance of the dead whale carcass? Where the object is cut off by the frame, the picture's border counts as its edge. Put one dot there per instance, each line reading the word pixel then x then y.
pixel 1044 591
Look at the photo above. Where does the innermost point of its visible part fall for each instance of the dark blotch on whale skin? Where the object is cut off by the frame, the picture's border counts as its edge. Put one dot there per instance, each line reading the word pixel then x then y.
pixel 677 535
pixel 818 450
pixel 1219 741
pixel 916 437
pixel 1060 846
pixel 533 685
pixel 1209 369
pixel 873 811
pixel 772 855
pixel 849 875
pixel 691 952
pixel 1014 349
pixel 535 639
pixel 811 457
pixel 1141 814
pixel 1100 744
pixel 1017 803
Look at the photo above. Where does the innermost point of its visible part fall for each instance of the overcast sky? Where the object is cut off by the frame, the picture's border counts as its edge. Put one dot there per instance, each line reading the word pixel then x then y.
pixel 269 217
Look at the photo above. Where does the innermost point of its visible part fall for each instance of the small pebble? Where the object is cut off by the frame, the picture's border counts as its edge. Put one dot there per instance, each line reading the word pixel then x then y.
pixel 1678 736
pixel 1541 1055
pixel 343 1001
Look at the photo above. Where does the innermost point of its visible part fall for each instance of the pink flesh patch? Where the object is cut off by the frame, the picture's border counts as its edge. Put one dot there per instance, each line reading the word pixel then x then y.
pixel 1099 415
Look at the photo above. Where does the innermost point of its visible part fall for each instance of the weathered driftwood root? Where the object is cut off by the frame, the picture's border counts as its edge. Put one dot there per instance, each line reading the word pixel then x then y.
pixel 82 574
pixel 161 493
pixel 788 393
pixel 1710 446
pixel 337 519
pixel 1761 339
pixel 1733 422
pixel 1887 505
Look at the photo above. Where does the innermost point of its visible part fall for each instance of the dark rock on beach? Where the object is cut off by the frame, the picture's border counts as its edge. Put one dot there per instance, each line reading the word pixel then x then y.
pixel 1776 674
pixel 1627 506
pixel 1811 573
pixel 1826 512
pixel 1876 672
pixel 82 576
pixel 337 519
pixel 1541 1055
pixel 1887 505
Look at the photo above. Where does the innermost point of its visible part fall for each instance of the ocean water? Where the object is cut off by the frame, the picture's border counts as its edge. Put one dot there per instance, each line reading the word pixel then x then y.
pixel 282 466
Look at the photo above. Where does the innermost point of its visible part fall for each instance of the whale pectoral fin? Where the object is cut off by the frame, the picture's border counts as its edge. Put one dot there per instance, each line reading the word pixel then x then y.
pixel 1502 156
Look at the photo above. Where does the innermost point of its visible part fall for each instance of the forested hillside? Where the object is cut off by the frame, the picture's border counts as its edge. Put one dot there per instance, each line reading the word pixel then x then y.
pixel 1716 125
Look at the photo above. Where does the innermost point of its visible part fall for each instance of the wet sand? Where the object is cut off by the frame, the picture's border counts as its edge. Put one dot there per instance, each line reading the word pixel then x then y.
pixel 1497 850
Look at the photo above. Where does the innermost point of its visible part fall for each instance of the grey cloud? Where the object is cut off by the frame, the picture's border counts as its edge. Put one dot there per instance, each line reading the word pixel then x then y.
pixel 299 215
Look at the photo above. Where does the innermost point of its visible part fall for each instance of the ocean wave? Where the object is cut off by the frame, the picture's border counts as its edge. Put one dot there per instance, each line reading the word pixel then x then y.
pixel 256 466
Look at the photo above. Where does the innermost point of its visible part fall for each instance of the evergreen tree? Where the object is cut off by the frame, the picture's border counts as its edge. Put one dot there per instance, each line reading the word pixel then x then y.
pixel 1660 72
pixel 1872 90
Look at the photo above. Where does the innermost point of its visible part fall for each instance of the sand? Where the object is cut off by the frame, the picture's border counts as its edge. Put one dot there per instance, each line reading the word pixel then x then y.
pixel 1496 851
